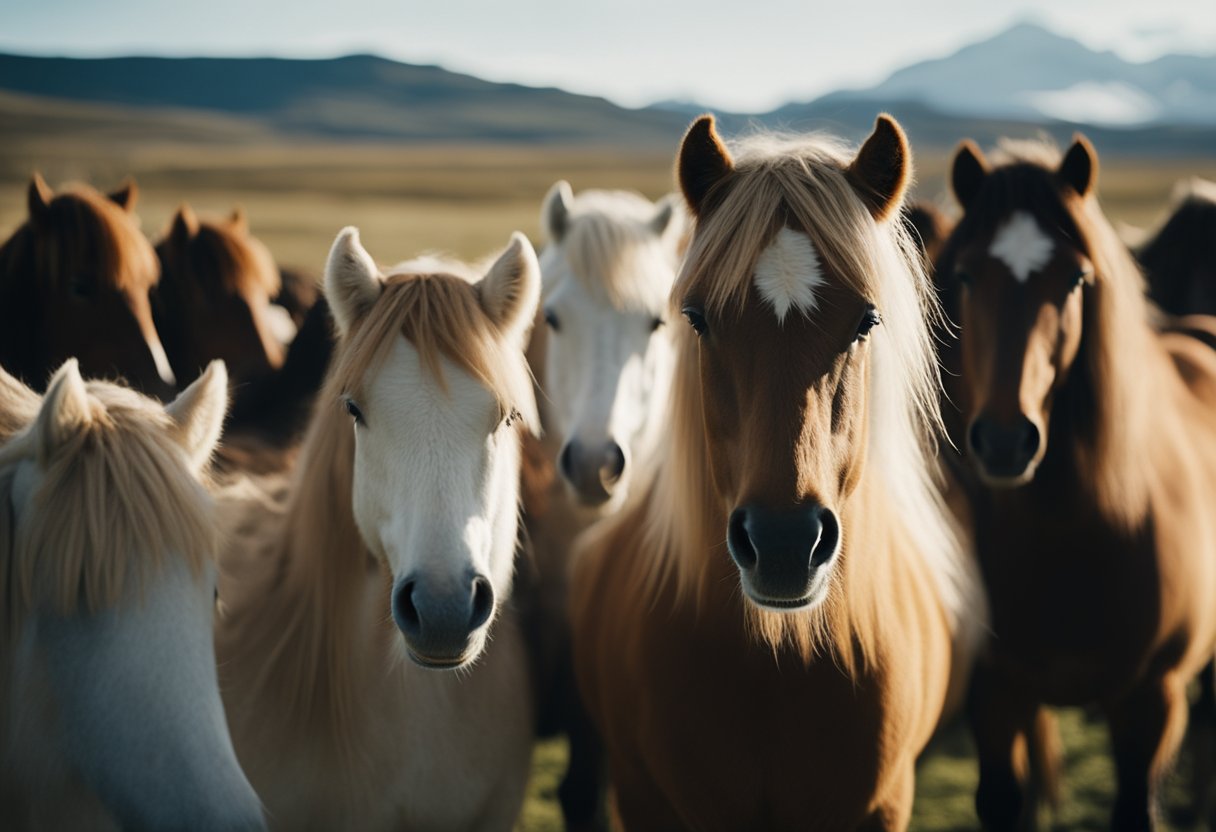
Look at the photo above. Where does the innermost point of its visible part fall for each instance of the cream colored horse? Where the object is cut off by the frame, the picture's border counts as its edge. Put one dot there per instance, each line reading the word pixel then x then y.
pixel 403 510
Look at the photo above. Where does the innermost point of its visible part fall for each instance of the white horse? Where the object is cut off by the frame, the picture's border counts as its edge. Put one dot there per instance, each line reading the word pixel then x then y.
pixel 111 710
pixel 403 510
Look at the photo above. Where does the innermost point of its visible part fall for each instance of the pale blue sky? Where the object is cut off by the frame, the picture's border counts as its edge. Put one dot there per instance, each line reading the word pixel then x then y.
pixel 748 55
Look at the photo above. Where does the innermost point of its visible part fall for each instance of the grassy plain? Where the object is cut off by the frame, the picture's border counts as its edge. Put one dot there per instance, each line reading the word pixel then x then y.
pixel 466 200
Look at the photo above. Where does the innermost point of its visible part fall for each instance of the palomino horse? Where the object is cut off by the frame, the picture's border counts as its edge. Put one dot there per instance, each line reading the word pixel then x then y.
pixel 403 509
pixel 74 281
pixel 789 678
pixel 1179 259
pixel 112 715
pixel 603 360
pixel 213 299
pixel 1093 434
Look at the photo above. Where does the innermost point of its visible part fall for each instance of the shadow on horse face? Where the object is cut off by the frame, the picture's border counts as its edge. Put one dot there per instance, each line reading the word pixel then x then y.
pixel 784 402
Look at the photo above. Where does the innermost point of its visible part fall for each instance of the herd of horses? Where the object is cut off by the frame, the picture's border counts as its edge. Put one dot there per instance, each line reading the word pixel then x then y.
pixel 747 491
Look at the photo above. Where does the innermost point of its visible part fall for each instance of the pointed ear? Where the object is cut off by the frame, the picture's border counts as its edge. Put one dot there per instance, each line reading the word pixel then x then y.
pixel 510 291
pixel 126 196
pixel 198 414
pixel 18 404
pixel 967 172
pixel 703 162
pixel 65 410
pixel 185 224
pixel 352 280
pixel 664 213
pixel 40 196
pixel 238 220
pixel 882 169
pixel 555 211
pixel 1079 168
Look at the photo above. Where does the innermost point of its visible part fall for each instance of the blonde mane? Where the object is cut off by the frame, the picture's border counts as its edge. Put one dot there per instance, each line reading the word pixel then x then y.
pixel 800 182
pixel 113 501
pixel 611 250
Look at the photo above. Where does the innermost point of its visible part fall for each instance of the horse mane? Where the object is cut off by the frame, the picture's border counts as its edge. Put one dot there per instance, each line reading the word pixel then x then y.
pixel 221 260
pixel 1111 400
pixel 780 180
pixel 1182 249
pixel 611 250
pixel 300 635
pixel 113 500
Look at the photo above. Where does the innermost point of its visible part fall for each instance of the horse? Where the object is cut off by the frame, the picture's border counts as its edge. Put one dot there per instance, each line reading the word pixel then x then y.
pixel 112 715
pixel 1179 259
pixel 789 678
pixel 601 351
pixel 74 281
pixel 372 666
pixel 928 226
pixel 1089 434
pixel 213 299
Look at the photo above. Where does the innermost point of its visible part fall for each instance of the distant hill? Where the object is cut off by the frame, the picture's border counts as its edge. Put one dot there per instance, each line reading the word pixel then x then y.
pixel 357 96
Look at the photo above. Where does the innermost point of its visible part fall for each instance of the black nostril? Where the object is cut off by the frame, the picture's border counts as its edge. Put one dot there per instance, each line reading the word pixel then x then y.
pixel 739 542
pixel 614 461
pixel 483 602
pixel 405 613
pixel 829 537
pixel 565 461
pixel 1030 439
pixel 975 437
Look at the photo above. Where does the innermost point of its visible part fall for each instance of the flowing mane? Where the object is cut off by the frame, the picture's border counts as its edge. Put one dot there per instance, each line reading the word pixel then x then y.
pixel 801 181
pixel 1111 403
pixel 610 249
pixel 125 485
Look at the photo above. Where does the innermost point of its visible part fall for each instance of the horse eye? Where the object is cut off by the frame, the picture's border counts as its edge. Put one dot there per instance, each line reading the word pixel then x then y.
pixel 552 321
pixel 354 411
pixel 1080 279
pixel 81 287
pixel 869 320
pixel 695 317
pixel 656 323
pixel 963 278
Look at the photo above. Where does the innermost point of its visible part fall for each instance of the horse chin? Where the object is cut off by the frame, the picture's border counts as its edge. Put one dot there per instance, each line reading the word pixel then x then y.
pixel 815 595
pixel 464 659
pixel 1006 482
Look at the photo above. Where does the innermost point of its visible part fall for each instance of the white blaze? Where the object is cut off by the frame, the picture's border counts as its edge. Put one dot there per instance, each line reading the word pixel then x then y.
pixel 1022 246
pixel 788 272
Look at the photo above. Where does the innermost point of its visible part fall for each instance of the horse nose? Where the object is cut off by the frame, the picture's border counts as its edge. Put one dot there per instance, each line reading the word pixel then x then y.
pixel 438 623
pixel 780 553
pixel 593 472
pixel 1004 451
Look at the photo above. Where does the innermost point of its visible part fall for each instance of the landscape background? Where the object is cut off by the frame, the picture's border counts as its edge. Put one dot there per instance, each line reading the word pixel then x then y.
pixel 422 158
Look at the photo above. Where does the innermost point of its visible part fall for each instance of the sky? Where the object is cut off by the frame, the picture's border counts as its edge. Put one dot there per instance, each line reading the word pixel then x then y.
pixel 748 55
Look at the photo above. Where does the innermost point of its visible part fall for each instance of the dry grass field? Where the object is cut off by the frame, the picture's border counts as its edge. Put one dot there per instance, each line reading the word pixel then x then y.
pixel 466 201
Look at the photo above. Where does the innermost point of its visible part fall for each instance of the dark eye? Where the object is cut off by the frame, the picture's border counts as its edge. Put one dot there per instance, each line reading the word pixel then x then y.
pixel 81 287
pixel 869 320
pixel 1080 279
pixel 656 323
pixel 354 411
pixel 695 317
pixel 963 278
pixel 552 321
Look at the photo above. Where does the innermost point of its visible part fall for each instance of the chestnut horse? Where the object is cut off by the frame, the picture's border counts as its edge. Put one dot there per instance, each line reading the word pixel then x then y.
pixel 765 637
pixel 1179 259
pixel 213 300
pixel 403 509
pixel 1093 436
pixel 74 282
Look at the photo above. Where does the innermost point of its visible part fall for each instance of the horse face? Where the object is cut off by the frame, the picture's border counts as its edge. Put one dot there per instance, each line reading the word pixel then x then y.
pixel 1021 314
pixel 436 472
pixel 784 398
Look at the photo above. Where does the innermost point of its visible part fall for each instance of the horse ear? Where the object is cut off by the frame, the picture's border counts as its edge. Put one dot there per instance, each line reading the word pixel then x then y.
pixel 126 196
pixel 703 162
pixel 18 404
pixel 352 281
pixel 239 221
pixel 555 211
pixel 185 224
pixel 1079 168
pixel 663 215
pixel 40 196
pixel 65 409
pixel 967 172
pixel 198 414
pixel 510 291
pixel 883 168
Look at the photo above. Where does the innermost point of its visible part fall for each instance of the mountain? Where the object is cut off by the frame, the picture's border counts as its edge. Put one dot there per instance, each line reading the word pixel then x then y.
pixel 356 96
pixel 1028 73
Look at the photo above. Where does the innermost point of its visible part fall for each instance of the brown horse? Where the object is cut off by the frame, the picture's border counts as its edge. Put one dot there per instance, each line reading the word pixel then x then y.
pixel 1179 260
pixel 789 678
pixel 213 300
pixel 74 281
pixel 1092 433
